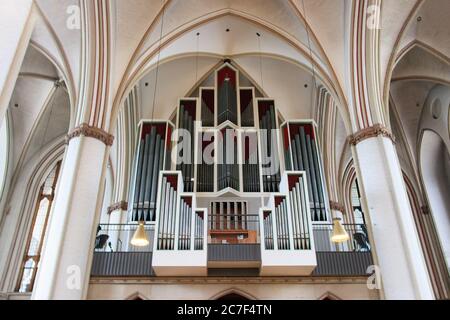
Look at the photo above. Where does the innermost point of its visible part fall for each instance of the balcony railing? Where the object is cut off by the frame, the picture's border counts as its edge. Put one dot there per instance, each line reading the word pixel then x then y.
pixel 358 242
pixel 233 241
pixel 117 237
pixel 349 258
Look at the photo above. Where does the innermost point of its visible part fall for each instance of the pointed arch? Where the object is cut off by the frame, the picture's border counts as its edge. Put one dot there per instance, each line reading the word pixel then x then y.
pixel 136 69
pixel 329 296
pixel 136 296
pixel 232 292
pixel 31 180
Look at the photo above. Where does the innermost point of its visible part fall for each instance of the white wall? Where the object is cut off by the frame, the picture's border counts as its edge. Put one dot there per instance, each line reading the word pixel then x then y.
pixel 3 153
pixel 208 289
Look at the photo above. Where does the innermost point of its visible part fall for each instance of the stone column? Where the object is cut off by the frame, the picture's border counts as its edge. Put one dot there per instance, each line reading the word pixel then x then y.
pixel 17 20
pixel 398 252
pixel 117 211
pixel 65 265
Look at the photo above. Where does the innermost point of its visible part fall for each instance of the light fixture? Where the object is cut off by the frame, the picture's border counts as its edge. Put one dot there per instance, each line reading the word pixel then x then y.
pixel 339 234
pixel 140 238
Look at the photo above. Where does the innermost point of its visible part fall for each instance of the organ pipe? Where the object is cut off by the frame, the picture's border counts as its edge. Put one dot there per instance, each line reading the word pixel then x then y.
pixel 150 157
pixel 186 118
pixel 301 149
pixel 246 103
pixel 269 145
pixel 207 107
pixel 226 95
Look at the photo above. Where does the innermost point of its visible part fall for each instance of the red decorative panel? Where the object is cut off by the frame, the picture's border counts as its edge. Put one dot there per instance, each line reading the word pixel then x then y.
pixel 224 73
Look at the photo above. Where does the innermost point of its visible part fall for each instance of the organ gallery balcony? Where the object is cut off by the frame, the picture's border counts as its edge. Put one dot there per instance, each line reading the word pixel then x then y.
pixel 114 256
pixel 227 240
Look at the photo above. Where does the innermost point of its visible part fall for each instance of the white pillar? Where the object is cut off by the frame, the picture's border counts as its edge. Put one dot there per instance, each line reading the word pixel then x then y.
pixel 17 19
pixel 65 265
pixel 398 251
pixel 115 218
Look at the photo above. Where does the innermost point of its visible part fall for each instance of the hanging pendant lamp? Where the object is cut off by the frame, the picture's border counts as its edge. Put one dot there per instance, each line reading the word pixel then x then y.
pixel 140 238
pixel 339 233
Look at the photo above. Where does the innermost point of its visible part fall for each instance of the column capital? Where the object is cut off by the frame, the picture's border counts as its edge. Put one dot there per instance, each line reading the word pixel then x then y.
pixel 93 132
pixel 121 205
pixel 336 206
pixel 370 132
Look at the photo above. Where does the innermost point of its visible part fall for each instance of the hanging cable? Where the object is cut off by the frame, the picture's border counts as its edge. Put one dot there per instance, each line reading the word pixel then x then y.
pixel 309 47
pixel 197 56
pixel 260 60
pixel 158 61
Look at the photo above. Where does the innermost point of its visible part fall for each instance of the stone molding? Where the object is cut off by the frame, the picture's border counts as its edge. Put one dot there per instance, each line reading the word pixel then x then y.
pixel 93 132
pixel 122 205
pixel 336 206
pixel 370 132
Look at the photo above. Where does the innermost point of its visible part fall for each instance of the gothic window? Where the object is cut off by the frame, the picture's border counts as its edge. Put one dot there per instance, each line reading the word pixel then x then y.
pixel 36 237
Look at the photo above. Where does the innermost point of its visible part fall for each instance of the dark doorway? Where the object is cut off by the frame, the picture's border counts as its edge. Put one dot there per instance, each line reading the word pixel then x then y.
pixel 233 296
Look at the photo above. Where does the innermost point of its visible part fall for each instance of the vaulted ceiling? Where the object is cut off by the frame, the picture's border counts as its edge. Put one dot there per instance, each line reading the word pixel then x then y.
pixel 414 53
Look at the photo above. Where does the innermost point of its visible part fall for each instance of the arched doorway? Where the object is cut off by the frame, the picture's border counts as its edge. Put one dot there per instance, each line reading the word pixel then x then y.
pixel 233 294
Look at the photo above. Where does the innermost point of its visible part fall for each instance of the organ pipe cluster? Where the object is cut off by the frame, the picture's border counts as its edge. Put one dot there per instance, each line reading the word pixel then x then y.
pixel 186 121
pixel 269 146
pixel 180 225
pixel 301 154
pixel 286 223
pixel 153 155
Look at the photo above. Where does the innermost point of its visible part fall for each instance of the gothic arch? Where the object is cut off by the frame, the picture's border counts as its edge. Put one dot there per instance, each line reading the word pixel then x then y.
pixel 329 296
pixel 136 296
pixel 233 292
pixel 30 180
pixel 139 67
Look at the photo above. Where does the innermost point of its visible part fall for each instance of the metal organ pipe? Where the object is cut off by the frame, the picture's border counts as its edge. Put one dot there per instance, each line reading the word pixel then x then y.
pixel 150 158
pixel 149 165
pixel 305 158
pixel 137 183
pixel 161 212
pixel 319 181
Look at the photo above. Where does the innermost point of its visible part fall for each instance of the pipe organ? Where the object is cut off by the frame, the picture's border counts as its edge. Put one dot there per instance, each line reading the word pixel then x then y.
pixel 260 180
pixel 153 155
pixel 300 154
